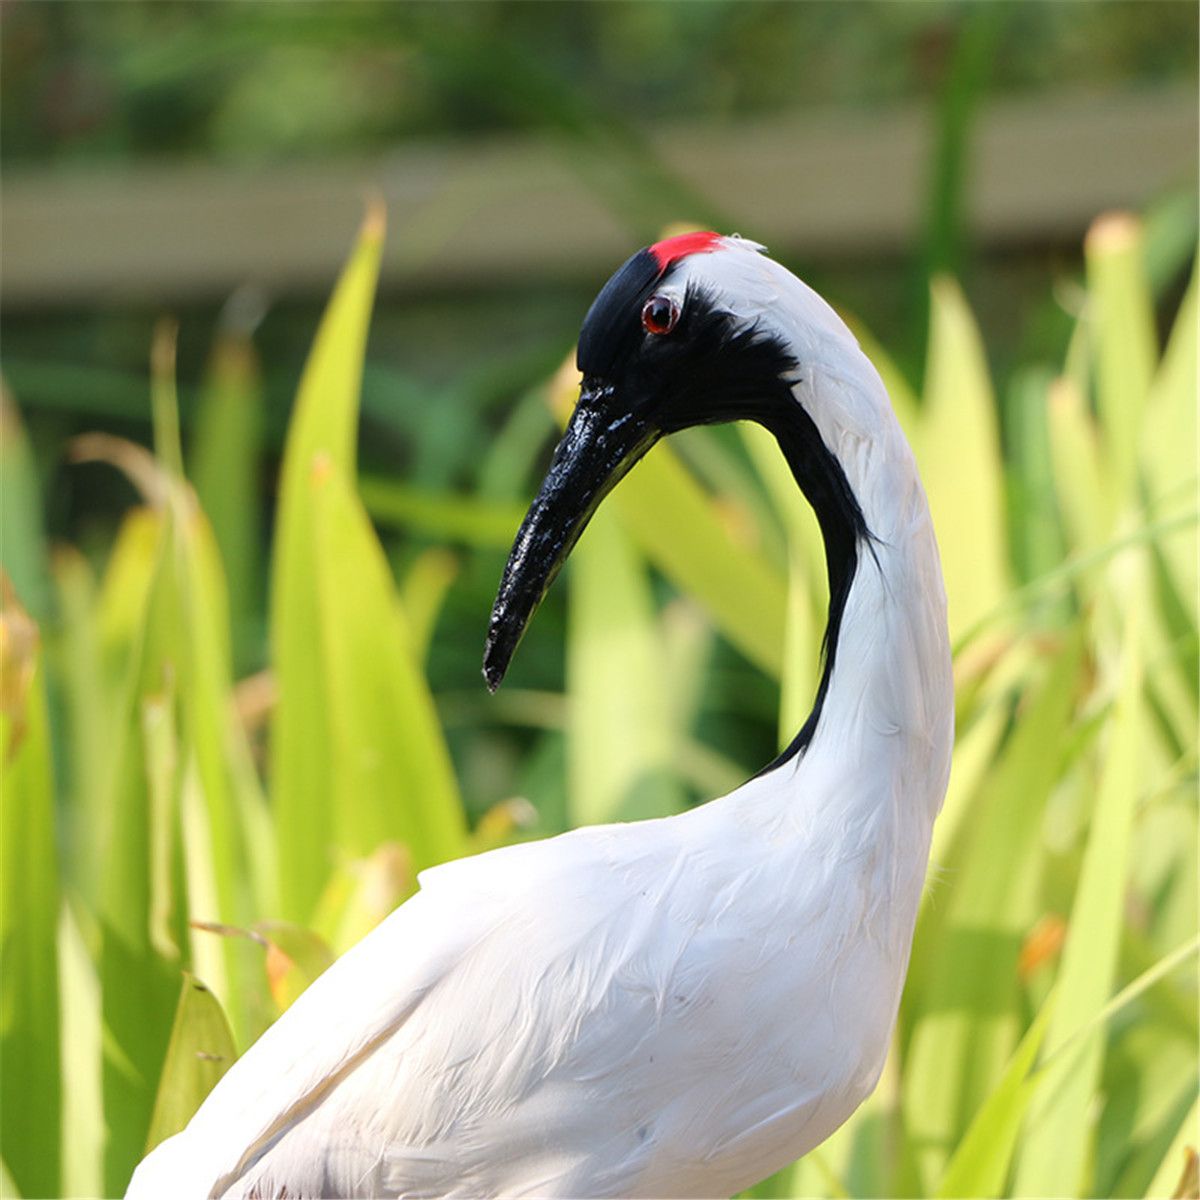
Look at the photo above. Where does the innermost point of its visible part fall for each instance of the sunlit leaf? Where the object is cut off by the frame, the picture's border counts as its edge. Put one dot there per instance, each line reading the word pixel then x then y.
pixel 200 1051
pixel 618 745
pixel 958 447
pixel 981 1161
pixel 324 422
pixel 1121 326
pixel 22 537
pixel 392 779
pixel 295 958
pixel 447 517
pixel 966 1022
pixel 1055 1147
pixel 224 466
pixel 30 1117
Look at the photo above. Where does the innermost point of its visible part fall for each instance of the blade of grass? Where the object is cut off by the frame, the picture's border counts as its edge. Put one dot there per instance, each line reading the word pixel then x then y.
pixel 423 592
pixel 224 467
pixel 1177 1176
pixel 1055 1148
pixel 958 446
pixel 981 1161
pixel 29 1033
pixel 452 518
pixel 966 1008
pixel 22 537
pixel 392 779
pixel 618 743
pixel 138 985
pixel 83 1107
pixel 200 1051
pixel 1121 327
pixel 324 422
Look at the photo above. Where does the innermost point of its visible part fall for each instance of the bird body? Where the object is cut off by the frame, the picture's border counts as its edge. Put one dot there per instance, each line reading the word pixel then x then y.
pixel 674 1007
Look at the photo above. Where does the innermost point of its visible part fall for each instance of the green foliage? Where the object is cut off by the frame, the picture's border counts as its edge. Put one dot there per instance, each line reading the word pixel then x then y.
pixel 170 882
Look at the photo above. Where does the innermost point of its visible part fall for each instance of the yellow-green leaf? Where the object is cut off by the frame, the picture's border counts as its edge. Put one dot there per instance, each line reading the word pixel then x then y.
pixel 958 447
pixel 391 776
pixel 30 1116
pixel 200 1051
pixel 324 422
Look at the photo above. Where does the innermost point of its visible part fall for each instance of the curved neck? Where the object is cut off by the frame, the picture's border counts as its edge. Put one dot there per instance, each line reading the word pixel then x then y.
pixel 885 697
pixel 844 531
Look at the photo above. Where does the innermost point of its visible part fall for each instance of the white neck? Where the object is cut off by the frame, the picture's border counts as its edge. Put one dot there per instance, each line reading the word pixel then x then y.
pixel 885 730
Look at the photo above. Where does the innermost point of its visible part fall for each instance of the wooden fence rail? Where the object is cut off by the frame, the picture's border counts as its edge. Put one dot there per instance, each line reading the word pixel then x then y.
pixel 844 183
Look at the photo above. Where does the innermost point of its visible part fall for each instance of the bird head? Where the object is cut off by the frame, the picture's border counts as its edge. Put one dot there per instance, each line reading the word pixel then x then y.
pixel 688 332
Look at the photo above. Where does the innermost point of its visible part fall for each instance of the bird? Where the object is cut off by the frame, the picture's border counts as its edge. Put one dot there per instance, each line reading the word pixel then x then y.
pixel 668 1007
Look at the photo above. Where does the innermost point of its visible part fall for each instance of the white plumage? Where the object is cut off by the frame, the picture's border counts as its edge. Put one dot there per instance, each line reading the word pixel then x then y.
pixel 674 1007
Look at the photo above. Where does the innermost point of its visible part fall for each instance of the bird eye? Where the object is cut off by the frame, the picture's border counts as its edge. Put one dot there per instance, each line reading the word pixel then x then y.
pixel 659 314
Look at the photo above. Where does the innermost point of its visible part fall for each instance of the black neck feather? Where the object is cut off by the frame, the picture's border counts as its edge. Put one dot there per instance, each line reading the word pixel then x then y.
pixel 820 477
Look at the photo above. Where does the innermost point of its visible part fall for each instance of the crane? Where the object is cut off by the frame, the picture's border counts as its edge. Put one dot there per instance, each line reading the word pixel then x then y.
pixel 671 1007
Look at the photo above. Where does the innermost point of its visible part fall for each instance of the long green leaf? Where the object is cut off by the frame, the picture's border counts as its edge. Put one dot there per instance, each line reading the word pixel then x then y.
pixel 225 466
pixel 440 515
pixel 22 536
pixel 1055 1150
pixel 958 446
pixel 392 779
pixel 137 982
pixel 324 422
pixel 618 744
pixel 1121 325
pixel 967 1011
pixel 981 1161
pixel 30 1117
pixel 201 1050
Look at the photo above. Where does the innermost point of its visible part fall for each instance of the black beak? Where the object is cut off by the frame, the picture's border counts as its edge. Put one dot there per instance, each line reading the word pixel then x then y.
pixel 602 441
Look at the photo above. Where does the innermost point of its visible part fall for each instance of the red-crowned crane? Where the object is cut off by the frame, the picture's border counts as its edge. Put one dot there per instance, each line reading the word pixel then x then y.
pixel 673 1007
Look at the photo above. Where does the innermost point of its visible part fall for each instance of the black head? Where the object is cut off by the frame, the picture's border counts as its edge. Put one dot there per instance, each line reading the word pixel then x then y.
pixel 662 350
pixel 673 351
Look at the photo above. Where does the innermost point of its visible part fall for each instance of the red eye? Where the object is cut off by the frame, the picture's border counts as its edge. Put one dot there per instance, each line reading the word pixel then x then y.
pixel 659 314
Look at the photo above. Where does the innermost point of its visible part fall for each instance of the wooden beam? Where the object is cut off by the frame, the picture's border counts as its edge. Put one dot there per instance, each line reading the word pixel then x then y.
pixel 817 184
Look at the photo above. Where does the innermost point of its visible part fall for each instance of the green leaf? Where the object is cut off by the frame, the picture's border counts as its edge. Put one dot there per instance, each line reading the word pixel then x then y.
pixel 137 983
pixel 958 447
pixel 677 527
pixel 1177 1175
pixel 30 1117
pixel 1078 468
pixel 441 515
pixel 324 422
pixel 966 1013
pixel 295 958
pixel 392 779
pixel 225 465
pixel 22 536
pixel 423 592
pixel 618 744
pixel 981 1161
pixel 1055 1150
pixel 361 893
pixel 82 1038
pixel 1121 327
pixel 200 1051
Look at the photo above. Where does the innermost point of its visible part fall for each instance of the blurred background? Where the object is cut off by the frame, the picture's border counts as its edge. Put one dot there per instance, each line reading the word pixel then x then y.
pixel 210 162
